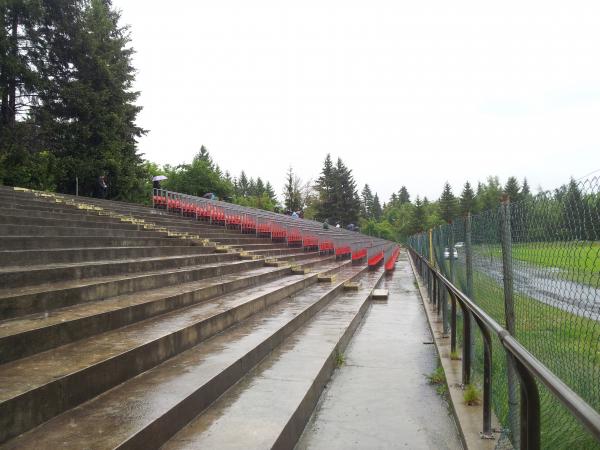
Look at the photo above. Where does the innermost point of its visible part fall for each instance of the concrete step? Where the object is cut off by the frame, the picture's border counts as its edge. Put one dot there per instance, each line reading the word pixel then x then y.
pixel 145 411
pixel 40 242
pixel 53 231
pixel 77 372
pixel 47 297
pixel 35 333
pixel 258 246
pixel 21 276
pixel 300 367
pixel 75 255
pixel 81 222
pixel 273 252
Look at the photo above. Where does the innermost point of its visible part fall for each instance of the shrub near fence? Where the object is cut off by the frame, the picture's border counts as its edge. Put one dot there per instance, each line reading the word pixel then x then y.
pixel 534 266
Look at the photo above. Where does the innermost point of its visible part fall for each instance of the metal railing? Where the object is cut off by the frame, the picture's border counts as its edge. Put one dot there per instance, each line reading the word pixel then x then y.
pixel 529 369
pixel 267 224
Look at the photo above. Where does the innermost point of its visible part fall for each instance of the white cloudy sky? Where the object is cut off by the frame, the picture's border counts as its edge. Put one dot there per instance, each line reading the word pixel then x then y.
pixel 412 93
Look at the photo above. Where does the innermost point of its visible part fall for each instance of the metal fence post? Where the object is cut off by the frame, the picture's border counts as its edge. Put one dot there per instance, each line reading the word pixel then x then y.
pixel 509 315
pixel 451 278
pixel 469 273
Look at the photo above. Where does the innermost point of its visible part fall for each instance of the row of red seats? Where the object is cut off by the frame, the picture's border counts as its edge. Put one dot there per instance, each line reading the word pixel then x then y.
pixel 359 254
pixel 294 238
pixel 376 259
pixel 311 243
pixel 217 216
pixel 343 252
pixel 390 263
pixel 326 247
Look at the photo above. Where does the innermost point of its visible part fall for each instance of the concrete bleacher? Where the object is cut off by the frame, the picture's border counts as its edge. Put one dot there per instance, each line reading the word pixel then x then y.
pixel 122 325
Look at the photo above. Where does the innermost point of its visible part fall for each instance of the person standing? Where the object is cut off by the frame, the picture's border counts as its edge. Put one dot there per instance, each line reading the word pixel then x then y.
pixel 102 187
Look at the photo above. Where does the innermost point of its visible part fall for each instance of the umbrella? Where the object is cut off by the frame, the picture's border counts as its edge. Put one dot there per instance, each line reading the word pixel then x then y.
pixel 159 178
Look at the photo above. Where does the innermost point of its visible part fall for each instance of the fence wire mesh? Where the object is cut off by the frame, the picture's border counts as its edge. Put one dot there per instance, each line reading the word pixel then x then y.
pixel 552 262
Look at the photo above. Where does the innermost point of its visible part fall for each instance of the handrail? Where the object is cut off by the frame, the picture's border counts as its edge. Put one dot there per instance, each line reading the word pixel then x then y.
pixel 528 367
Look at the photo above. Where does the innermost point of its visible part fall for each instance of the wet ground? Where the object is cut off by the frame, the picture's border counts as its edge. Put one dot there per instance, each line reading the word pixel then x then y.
pixel 380 397
pixel 546 284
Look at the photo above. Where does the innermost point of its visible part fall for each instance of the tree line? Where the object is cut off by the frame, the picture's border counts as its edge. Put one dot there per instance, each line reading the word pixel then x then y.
pixel 67 106
pixel 68 116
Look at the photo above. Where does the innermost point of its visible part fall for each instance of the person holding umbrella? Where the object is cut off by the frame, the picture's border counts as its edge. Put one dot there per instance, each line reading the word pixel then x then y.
pixel 156 181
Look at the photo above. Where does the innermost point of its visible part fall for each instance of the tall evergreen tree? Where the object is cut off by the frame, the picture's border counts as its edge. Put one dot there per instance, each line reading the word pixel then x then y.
pixel 418 219
pixel 326 188
pixel 467 199
pixel 87 108
pixel 348 203
pixel 448 204
pixel 377 210
pixel 403 195
pixel 292 196
pixel 270 192
pixel 260 187
pixel 243 185
pixel 525 190
pixel 512 189
pixel 366 207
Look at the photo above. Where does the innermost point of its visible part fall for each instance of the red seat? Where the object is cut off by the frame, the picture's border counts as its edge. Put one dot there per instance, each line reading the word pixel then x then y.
pixel 375 260
pixel 390 263
pixel 359 254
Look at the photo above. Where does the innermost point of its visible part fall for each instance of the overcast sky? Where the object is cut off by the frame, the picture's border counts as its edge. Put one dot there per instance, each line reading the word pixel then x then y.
pixel 412 93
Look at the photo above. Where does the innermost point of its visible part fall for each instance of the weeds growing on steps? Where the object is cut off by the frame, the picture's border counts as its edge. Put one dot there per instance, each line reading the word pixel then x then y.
pixel 340 359
pixel 472 395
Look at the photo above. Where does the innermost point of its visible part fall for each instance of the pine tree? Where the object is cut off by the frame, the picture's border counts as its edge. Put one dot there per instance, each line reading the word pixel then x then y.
pixel 366 206
pixel 347 207
pixel 204 155
pixel 325 187
pixel 243 185
pixel 418 219
pixel 292 196
pixel 447 204
pixel 270 192
pixel 377 211
pixel 512 189
pixel 260 187
pixel 467 199
pixel 525 190
pixel 252 187
pixel 403 196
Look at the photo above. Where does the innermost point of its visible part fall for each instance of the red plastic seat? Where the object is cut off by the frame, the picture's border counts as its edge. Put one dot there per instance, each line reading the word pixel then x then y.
pixel 390 263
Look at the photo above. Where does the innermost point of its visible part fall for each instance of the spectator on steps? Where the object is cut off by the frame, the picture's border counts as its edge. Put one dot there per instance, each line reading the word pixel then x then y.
pixel 102 187
pixel 295 215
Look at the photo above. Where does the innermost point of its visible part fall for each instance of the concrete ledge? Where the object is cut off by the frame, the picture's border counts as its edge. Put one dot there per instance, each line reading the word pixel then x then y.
pixel 469 419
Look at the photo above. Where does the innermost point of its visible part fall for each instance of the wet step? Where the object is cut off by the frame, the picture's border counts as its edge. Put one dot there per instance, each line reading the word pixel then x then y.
pixel 41 386
pixel 46 297
pixel 35 333
pixel 39 242
pixel 254 414
pixel 81 222
pixel 73 231
pixel 19 276
pixel 83 254
pixel 381 392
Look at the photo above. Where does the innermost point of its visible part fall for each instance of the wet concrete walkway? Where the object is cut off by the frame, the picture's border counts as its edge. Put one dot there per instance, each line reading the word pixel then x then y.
pixel 380 397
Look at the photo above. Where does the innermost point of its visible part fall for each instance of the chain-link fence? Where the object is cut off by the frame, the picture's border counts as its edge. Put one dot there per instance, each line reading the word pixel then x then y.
pixel 534 266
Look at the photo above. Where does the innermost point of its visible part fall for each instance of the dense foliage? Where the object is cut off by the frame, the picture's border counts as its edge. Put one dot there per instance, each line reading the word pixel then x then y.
pixel 67 108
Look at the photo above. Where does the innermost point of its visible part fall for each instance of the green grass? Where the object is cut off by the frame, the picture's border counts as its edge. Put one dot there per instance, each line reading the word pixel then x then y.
pixel 437 376
pixel 575 260
pixel 340 359
pixel 568 344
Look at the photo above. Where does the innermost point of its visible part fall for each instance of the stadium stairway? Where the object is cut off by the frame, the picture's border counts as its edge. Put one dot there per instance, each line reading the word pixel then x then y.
pixel 124 327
